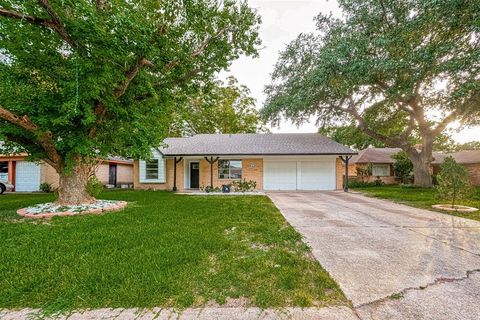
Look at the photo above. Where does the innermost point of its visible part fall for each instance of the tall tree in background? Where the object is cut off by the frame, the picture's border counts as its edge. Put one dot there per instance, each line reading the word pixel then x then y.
pixel 387 62
pixel 219 108
pixel 87 79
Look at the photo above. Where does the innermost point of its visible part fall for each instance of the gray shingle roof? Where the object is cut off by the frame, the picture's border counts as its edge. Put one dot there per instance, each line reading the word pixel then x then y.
pixel 384 155
pixel 375 155
pixel 463 157
pixel 254 144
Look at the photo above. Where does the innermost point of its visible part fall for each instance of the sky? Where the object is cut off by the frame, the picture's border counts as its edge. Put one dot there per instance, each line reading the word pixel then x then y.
pixel 282 21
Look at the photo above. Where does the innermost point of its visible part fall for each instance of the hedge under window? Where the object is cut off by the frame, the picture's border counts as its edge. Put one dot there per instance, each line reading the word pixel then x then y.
pixel 229 169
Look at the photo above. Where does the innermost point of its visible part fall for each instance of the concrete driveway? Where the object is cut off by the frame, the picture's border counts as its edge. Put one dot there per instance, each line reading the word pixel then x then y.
pixel 392 261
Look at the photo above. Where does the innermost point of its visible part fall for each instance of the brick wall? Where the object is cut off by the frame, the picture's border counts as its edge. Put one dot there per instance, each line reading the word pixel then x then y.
pixel 340 172
pixel 474 172
pixel 252 169
pixel 124 173
pixel 102 172
pixel 49 175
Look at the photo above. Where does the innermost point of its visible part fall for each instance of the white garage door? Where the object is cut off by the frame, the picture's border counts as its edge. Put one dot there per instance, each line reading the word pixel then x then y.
pixel 280 175
pixel 27 176
pixel 316 175
pixel 299 175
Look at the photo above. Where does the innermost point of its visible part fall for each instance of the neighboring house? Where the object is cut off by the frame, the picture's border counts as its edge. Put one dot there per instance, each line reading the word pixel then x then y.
pixel 27 176
pixel 470 159
pixel 382 163
pixel 274 161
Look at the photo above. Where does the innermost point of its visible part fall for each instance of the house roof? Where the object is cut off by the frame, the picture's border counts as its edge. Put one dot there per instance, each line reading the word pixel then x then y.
pixel 464 157
pixel 254 144
pixel 375 155
pixel 384 155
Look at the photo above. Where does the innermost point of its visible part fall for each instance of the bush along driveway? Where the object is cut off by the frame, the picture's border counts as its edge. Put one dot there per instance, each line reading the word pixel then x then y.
pixel 392 261
pixel 164 250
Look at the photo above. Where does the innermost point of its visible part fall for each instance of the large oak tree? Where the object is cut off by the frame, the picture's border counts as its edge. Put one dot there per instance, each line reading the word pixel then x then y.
pixel 219 107
pixel 385 63
pixel 82 79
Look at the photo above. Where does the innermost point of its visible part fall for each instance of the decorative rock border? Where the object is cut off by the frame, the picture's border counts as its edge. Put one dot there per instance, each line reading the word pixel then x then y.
pixel 448 207
pixel 115 206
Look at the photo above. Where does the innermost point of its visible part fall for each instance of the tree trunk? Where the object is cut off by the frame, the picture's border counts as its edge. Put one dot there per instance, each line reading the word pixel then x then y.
pixel 73 186
pixel 421 159
pixel 421 173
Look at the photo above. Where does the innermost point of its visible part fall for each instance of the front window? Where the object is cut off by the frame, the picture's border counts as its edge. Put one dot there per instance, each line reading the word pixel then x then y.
pixel 229 169
pixel 151 169
pixel 380 170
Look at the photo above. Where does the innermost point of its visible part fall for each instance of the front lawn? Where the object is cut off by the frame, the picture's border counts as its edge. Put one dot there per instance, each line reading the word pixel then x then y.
pixel 164 250
pixel 421 198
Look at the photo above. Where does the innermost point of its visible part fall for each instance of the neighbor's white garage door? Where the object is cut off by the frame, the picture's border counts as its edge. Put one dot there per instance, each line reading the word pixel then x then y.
pixel 299 175
pixel 27 176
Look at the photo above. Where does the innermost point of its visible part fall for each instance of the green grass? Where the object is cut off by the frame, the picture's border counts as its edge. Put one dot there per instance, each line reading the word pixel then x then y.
pixel 164 250
pixel 422 198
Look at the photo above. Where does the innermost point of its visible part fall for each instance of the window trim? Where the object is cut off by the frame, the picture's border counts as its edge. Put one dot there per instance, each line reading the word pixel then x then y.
pixel 161 173
pixel 229 169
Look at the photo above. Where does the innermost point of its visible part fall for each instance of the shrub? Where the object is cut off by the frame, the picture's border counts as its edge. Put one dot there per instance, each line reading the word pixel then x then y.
pixel 244 185
pixel 94 187
pixel 453 181
pixel 402 166
pixel 378 182
pixel 364 172
pixel 46 187
pixel 360 184
pixel 209 189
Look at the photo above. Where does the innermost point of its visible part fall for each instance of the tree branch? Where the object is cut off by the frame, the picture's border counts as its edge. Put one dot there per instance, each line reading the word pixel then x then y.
pixel 444 123
pixel 43 138
pixel 57 22
pixel 31 19
pixel 198 51
pixel 130 75
pixel 54 23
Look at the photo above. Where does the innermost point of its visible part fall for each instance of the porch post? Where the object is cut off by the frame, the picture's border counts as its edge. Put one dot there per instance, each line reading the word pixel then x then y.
pixel 174 174
pixel 211 161
pixel 211 172
pixel 345 181
pixel 175 161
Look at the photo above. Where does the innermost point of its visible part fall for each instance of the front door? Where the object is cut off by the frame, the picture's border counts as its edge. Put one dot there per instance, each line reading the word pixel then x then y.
pixel 194 175
pixel 112 174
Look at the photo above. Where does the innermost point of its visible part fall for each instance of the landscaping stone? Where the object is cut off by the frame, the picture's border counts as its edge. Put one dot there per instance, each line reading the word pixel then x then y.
pixel 52 209
pixel 458 208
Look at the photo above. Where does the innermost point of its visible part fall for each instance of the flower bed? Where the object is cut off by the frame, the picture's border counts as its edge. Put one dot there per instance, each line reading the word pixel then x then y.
pixel 51 209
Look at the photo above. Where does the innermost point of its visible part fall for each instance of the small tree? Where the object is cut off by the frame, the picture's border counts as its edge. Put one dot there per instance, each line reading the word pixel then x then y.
pixel 364 172
pixel 402 165
pixel 453 181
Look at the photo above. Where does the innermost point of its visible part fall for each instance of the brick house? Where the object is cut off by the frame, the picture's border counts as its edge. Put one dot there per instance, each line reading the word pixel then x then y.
pixel 470 159
pixel 273 161
pixel 27 176
pixel 382 163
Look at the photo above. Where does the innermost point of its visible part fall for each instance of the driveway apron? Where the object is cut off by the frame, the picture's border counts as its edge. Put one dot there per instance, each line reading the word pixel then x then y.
pixel 392 261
